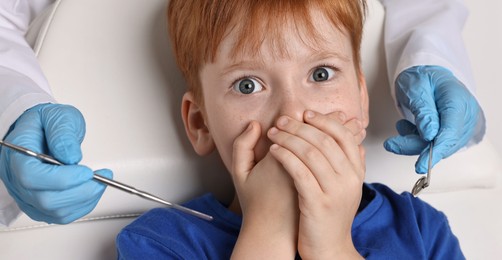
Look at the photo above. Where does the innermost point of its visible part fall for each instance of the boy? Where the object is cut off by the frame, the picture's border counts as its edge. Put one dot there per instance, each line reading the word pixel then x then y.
pixel 273 86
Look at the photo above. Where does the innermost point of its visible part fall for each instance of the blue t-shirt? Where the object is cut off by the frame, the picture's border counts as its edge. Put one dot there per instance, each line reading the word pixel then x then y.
pixel 387 226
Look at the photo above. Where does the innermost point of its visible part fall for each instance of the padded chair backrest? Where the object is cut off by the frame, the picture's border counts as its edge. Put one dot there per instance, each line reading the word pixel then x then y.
pixel 112 60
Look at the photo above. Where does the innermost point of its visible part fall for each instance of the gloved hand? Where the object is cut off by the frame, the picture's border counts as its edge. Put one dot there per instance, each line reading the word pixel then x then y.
pixel 46 192
pixel 444 109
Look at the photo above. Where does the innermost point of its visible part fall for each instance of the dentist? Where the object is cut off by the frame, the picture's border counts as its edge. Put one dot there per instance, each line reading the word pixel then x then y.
pixel 433 90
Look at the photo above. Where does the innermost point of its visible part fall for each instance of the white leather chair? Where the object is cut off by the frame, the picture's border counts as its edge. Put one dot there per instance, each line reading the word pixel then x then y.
pixel 112 60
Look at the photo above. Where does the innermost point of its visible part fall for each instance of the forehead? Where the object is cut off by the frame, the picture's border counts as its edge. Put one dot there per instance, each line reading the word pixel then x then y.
pixel 285 39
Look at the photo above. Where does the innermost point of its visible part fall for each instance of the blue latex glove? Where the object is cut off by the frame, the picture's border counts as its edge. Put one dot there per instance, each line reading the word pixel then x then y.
pixel 444 110
pixel 46 192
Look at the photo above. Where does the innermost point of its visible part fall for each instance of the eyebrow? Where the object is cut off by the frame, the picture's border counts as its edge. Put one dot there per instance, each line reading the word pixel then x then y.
pixel 244 64
pixel 321 55
pixel 253 64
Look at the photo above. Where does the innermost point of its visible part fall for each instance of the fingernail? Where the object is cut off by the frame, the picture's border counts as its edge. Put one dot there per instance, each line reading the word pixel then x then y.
pixel 309 114
pixel 282 121
pixel 274 147
pixel 273 131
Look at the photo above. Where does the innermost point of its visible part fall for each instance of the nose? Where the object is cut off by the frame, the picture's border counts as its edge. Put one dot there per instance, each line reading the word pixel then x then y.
pixel 292 104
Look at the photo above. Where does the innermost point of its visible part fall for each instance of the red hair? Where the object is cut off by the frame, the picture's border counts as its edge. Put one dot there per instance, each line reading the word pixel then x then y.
pixel 197 27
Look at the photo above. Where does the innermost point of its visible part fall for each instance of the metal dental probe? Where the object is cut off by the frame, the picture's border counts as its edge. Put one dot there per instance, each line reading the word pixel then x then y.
pixel 110 182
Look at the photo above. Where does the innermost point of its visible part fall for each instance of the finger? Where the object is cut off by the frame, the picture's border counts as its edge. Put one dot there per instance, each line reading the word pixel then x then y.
pixel 356 128
pixel 28 132
pixel 458 109
pixel 416 94
pixel 32 174
pixel 243 159
pixel 343 137
pixel 34 213
pixel 459 112
pixel 338 159
pixel 354 125
pixel 422 164
pixel 362 153
pixel 105 173
pixel 445 145
pixel 405 145
pixel 62 126
pixel 405 127
pixel 454 128
pixel 65 206
pixel 302 152
pixel 458 121
pixel 73 204
pixel 64 129
pixel 305 183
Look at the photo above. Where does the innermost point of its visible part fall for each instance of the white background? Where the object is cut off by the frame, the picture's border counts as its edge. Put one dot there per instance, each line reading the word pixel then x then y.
pixel 483 39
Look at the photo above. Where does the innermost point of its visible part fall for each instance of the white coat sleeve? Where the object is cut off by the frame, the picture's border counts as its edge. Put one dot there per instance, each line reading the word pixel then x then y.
pixel 427 32
pixel 22 83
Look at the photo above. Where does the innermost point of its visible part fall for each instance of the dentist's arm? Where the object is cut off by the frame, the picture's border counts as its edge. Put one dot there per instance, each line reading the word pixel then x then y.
pixel 433 83
pixel 45 192
pixel 23 82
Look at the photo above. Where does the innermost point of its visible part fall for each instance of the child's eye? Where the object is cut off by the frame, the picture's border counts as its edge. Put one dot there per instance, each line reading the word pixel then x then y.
pixel 322 74
pixel 247 86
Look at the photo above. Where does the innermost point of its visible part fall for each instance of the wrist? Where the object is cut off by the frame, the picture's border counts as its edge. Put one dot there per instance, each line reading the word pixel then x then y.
pixel 349 253
pixel 266 237
pixel 283 223
pixel 333 250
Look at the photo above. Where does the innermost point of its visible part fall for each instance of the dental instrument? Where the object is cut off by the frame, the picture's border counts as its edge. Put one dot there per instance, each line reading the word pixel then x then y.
pixel 424 182
pixel 110 182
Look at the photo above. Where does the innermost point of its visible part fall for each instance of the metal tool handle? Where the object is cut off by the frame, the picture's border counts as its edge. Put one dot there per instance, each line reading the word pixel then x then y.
pixel 424 182
pixel 110 182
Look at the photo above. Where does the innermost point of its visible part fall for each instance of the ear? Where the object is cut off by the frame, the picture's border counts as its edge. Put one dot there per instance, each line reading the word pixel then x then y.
pixel 195 125
pixel 365 103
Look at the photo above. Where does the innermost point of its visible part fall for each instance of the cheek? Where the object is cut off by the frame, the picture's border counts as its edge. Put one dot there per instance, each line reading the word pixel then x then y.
pixel 225 127
pixel 224 131
pixel 347 102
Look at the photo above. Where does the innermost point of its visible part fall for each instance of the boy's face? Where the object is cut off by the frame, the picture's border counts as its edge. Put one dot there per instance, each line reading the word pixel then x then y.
pixel 264 86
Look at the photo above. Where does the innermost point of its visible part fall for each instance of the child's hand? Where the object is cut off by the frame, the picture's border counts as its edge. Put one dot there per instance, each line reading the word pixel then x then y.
pixel 354 125
pixel 326 162
pixel 268 201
